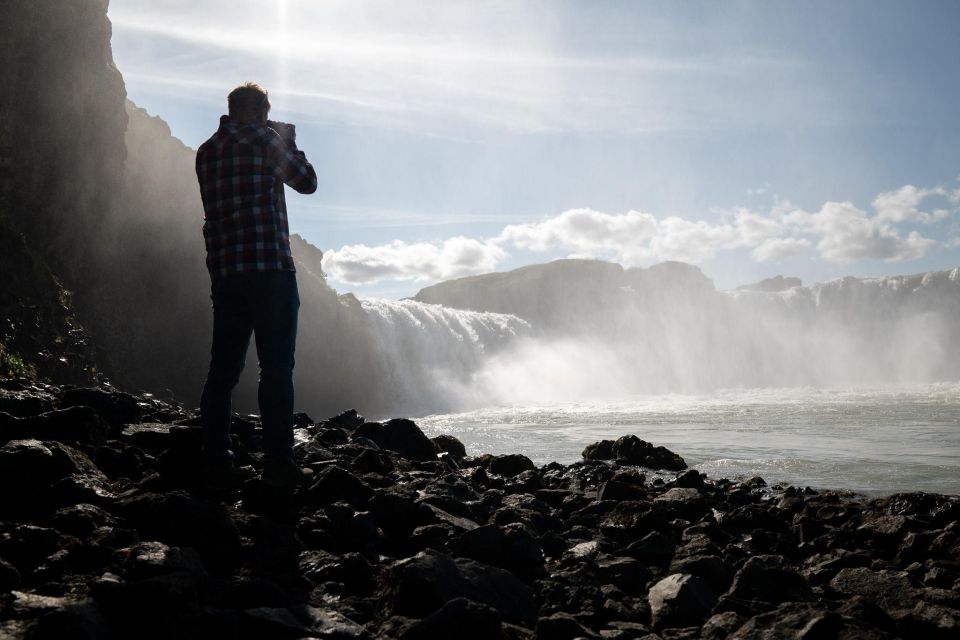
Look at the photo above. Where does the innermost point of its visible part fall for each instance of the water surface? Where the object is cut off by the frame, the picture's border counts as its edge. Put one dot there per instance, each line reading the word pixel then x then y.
pixel 871 440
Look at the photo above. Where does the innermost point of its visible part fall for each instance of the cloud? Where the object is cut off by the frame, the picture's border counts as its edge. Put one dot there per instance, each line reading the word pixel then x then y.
pixel 901 205
pixel 839 232
pixel 777 249
pixel 848 234
pixel 452 258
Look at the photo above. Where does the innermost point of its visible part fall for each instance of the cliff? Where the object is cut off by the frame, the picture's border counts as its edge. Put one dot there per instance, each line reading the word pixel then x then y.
pixel 101 219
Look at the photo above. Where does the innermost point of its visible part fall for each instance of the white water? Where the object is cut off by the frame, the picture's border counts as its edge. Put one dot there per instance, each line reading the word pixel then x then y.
pixel 847 370
pixel 432 353
pixel 870 440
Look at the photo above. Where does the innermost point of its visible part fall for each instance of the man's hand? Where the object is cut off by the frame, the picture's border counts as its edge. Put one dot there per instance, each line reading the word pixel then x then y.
pixel 287 131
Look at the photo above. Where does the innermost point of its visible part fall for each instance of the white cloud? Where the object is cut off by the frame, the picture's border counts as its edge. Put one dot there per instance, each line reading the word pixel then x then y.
pixel 848 234
pixel 583 231
pixel 777 249
pixel 901 205
pixel 452 258
pixel 839 231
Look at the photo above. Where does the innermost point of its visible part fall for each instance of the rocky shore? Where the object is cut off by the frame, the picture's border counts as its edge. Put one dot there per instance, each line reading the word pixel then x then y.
pixel 107 531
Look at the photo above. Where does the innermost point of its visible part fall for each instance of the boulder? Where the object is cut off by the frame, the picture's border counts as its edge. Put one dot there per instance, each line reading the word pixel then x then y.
pixel 418 586
pixel 632 450
pixel 770 579
pixel 180 519
pixel 602 450
pixel 451 445
pixel 801 620
pixel 400 435
pixel 562 626
pixel 348 420
pixel 114 407
pixel 512 547
pixel 73 425
pixel 299 621
pixel 680 601
pixel 458 618
pixel 33 473
pixel 888 589
pixel 332 483
pixel 510 465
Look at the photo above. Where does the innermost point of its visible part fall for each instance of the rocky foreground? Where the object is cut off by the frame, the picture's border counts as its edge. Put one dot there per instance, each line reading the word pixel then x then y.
pixel 108 532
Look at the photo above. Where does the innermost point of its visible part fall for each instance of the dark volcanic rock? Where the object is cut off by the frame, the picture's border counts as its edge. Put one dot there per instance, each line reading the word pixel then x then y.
pixel 769 579
pixel 634 451
pixel 400 435
pixel 451 445
pixel 510 465
pixel 680 601
pixel 420 585
pixel 114 407
pixel 512 547
pixel 458 618
pixel 179 518
pixel 73 425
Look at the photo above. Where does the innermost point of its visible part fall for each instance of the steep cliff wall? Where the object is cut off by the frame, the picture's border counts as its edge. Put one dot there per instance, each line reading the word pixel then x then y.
pixel 100 206
pixel 61 159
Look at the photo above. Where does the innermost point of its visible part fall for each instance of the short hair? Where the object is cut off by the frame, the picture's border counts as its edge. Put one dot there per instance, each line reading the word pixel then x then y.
pixel 249 97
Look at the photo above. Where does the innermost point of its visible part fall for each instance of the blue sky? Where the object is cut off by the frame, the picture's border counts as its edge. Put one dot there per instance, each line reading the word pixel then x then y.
pixel 815 139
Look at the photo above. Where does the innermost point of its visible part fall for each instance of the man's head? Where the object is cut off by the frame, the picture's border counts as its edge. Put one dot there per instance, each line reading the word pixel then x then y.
pixel 248 103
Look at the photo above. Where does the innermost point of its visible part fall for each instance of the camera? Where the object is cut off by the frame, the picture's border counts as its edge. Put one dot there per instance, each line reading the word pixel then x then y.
pixel 287 131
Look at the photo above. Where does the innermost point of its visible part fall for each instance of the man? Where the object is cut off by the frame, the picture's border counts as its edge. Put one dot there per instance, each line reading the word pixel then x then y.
pixel 242 169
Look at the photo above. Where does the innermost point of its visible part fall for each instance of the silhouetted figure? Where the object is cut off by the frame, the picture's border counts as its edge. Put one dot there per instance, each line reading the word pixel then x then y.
pixel 242 169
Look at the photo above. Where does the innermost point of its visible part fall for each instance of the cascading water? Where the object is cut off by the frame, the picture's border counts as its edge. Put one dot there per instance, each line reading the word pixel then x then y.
pixel 432 353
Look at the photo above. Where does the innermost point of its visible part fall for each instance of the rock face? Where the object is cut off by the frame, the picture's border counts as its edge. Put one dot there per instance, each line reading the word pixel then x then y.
pixel 116 534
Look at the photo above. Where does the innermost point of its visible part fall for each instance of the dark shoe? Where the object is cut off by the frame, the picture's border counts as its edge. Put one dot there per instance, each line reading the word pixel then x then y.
pixel 283 472
pixel 226 475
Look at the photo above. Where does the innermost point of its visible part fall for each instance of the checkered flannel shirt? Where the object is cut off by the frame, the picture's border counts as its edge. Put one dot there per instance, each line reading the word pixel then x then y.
pixel 241 169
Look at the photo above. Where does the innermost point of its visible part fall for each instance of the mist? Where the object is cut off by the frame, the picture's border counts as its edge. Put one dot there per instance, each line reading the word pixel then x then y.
pixel 672 333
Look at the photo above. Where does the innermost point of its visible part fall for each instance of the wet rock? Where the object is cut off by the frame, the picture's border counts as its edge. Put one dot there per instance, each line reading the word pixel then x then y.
pixel 458 618
pixel 400 435
pixel 562 626
pixel 632 450
pixel 887 589
pixel 510 464
pixel 348 420
pixel 333 483
pixel 154 438
pixel 512 547
pixel 690 479
pixel 9 577
pixel 71 426
pixel 114 407
pixel 721 626
pixel 653 549
pixel 451 445
pixel 81 520
pixel 30 471
pixel 799 620
pixel 420 585
pixel 602 450
pixel 927 620
pixel 180 519
pixel 679 601
pixel 298 622
pixel 21 404
pixel 769 579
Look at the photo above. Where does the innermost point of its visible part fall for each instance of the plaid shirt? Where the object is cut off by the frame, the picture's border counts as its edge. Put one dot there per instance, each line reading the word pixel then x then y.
pixel 241 170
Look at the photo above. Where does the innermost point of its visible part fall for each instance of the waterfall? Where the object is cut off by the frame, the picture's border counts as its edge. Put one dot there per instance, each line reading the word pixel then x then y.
pixel 430 353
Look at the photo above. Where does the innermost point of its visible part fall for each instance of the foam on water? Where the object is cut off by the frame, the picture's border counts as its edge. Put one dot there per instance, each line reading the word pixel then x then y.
pixel 873 440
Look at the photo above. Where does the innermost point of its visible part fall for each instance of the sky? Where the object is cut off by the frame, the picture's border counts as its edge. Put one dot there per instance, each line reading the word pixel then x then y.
pixel 813 139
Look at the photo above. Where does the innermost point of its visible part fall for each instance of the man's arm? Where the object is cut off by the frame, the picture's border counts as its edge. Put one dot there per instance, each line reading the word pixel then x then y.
pixel 289 163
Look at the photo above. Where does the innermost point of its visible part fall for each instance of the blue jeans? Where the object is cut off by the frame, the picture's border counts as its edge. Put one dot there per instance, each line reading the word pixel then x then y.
pixel 266 305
